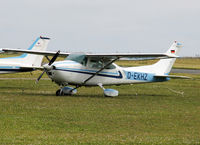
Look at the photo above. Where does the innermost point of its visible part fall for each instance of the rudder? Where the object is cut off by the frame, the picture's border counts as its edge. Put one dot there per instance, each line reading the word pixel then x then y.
pixel 164 66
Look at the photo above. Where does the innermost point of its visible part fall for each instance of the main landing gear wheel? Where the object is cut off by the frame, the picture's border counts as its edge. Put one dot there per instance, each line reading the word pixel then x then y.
pixel 66 91
pixel 59 92
pixel 108 92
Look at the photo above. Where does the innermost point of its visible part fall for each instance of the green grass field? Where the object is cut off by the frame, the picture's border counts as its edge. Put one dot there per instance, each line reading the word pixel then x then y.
pixel 162 113
pixel 157 113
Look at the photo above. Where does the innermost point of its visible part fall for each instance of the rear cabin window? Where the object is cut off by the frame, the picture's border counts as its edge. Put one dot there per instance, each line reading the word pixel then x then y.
pixel 95 64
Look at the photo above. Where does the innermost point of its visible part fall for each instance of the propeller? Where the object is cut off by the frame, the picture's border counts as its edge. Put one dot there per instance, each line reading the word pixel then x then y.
pixel 54 58
pixel 49 64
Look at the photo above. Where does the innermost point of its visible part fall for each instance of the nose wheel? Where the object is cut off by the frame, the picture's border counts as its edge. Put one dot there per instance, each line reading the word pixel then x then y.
pixel 59 92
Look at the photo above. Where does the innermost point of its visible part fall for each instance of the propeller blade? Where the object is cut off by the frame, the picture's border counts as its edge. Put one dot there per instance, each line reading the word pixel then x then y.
pixel 40 77
pixel 54 57
pixel 50 62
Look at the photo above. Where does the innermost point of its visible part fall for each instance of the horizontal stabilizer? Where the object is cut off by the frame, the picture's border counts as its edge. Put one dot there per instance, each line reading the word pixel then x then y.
pixel 172 76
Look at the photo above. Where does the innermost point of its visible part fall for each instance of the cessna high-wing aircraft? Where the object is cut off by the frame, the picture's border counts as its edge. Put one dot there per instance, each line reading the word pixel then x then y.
pixel 100 70
pixel 25 62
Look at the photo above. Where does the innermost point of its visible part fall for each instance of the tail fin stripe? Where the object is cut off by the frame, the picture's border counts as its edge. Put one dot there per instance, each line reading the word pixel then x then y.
pixel 30 48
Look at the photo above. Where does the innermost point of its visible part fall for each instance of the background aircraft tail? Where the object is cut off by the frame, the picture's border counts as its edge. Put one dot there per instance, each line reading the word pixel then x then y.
pixel 25 59
pixel 164 66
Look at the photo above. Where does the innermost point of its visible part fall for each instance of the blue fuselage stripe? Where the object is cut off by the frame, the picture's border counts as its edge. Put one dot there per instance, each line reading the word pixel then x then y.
pixel 90 73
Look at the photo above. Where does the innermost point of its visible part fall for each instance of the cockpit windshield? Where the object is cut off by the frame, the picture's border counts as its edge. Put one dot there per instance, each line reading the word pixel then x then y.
pixel 80 58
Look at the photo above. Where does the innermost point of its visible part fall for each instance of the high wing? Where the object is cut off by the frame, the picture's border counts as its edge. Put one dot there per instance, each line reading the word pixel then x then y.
pixel 131 56
pixel 108 56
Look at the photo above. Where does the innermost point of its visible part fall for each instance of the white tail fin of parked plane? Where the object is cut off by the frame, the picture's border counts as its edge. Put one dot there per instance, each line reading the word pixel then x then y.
pixel 25 59
pixel 164 66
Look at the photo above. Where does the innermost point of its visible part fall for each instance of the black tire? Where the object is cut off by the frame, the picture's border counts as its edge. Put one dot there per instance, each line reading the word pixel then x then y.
pixel 58 93
pixel 108 96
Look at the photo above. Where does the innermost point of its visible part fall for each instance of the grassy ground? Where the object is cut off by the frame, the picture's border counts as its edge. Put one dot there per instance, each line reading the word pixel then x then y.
pixel 160 113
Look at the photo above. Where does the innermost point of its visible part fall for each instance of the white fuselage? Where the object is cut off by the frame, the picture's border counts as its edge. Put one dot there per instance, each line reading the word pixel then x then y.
pixel 9 65
pixel 70 72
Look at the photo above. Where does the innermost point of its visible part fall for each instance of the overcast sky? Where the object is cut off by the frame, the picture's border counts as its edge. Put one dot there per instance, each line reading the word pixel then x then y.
pixel 102 25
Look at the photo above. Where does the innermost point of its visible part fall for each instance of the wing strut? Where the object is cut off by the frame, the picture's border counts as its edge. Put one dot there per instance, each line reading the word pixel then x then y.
pixel 47 58
pixel 96 73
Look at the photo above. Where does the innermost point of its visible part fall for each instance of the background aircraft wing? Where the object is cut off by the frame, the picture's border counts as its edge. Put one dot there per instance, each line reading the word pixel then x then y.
pixel 33 67
pixel 46 53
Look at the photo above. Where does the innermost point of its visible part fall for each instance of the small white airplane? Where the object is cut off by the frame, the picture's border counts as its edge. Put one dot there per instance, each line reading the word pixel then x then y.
pixel 25 62
pixel 99 69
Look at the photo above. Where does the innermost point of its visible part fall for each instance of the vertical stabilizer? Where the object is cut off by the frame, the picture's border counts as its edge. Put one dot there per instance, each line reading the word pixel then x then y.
pixel 164 66
pixel 40 44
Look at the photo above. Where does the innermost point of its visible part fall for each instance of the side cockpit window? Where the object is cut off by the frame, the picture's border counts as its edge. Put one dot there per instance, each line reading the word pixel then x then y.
pixel 95 64
pixel 98 64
